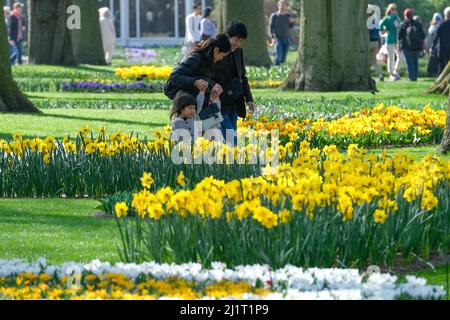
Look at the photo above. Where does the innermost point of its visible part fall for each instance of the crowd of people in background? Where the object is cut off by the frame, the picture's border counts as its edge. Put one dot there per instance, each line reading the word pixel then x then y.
pixel 16 27
pixel 396 40
pixel 201 27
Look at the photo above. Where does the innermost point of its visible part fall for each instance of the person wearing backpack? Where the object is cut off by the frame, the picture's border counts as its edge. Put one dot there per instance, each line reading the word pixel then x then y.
pixel 412 42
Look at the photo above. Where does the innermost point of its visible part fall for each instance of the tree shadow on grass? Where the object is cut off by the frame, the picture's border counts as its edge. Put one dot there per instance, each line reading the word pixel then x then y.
pixel 87 223
pixel 71 117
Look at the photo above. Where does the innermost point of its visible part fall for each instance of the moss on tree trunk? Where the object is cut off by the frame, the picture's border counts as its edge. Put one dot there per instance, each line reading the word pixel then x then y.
pixel 51 42
pixel 11 99
pixel 442 84
pixel 252 14
pixel 445 144
pixel 87 42
pixel 334 48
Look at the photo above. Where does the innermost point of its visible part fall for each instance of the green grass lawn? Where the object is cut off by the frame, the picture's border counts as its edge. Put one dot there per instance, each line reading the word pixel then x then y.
pixel 66 230
pixel 61 122
pixel 57 229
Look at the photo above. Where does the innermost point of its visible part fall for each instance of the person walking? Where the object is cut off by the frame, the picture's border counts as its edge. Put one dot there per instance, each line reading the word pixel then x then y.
pixel 193 28
pixel 12 49
pixel 230 73
pixel 108 33
pixel 441 45
pixel 433 63
pixel 411 38
pixel 280 24
pixel 390 25
pixel 6 14
pixel 207 26
pixel 375 45
pixel 16 26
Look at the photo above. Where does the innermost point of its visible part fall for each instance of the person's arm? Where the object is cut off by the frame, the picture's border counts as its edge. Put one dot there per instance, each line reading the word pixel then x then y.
pixel 383 26
pixel 13 29
pixel 202 27
pixel 190 25
pixel 424 37
pixel 291 21
pixel 246 86
pixel 184 74
pixel 436 38
pixel 272 26
pixel 402 32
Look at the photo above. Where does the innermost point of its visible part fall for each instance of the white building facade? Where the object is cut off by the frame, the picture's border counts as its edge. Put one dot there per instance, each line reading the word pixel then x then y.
pixel 147 22
pixel 150 22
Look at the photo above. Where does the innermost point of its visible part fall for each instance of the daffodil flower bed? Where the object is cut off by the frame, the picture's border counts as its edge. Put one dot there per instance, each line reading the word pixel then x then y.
pixel 324 209
pixel 265 83
pixel 148 72
pixel 99 165
pixel 150 280
pixel 380 126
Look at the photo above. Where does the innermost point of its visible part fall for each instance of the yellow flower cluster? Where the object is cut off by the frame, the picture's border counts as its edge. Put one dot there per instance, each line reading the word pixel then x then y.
pixel 150 72
pixel 265 83
pixel 29 286
pixel 380 119
pixel 115 143
pixel 316 179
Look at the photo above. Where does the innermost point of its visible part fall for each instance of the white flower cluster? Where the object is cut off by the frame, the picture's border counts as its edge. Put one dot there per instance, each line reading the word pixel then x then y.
pixel 287 283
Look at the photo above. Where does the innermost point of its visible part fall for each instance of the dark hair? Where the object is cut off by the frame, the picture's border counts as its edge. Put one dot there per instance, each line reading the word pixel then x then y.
pixel 182 100
pixel 207 12
pixel 236 29
pixel 221 41
pixel 196 6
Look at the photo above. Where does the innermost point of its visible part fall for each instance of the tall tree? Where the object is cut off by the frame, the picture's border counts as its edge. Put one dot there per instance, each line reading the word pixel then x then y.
pixel 49 38
pixel 334 47
pixel 11 99
pixel 51 41
pixel 445 144
pixel 442 84
pixel 87 41
pixel 250 12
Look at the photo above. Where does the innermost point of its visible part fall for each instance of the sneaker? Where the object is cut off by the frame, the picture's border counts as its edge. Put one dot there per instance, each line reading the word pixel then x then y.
pixel 397 76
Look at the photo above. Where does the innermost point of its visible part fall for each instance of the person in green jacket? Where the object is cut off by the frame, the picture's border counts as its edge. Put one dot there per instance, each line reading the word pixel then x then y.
pixel 389 26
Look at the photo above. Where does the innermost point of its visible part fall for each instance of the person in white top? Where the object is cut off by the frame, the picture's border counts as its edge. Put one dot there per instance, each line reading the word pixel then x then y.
pixel 108 33
pixel 193 35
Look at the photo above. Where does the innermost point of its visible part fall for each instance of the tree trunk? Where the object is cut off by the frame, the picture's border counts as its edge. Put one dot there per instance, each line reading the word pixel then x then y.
pixel 445 144
pixel 442 84
pixel 219 15
pixel 49 38
pixel 87 42
pixel 334 47
pixel 11 99
pixel 252 14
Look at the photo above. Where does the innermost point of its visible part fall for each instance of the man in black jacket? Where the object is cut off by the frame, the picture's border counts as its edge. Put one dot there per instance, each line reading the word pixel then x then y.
pixel 16 27
pixel 232 70
pixel 412 42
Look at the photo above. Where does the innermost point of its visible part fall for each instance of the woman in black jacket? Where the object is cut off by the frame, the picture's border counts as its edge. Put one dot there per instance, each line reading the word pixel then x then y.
pixel 194 72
